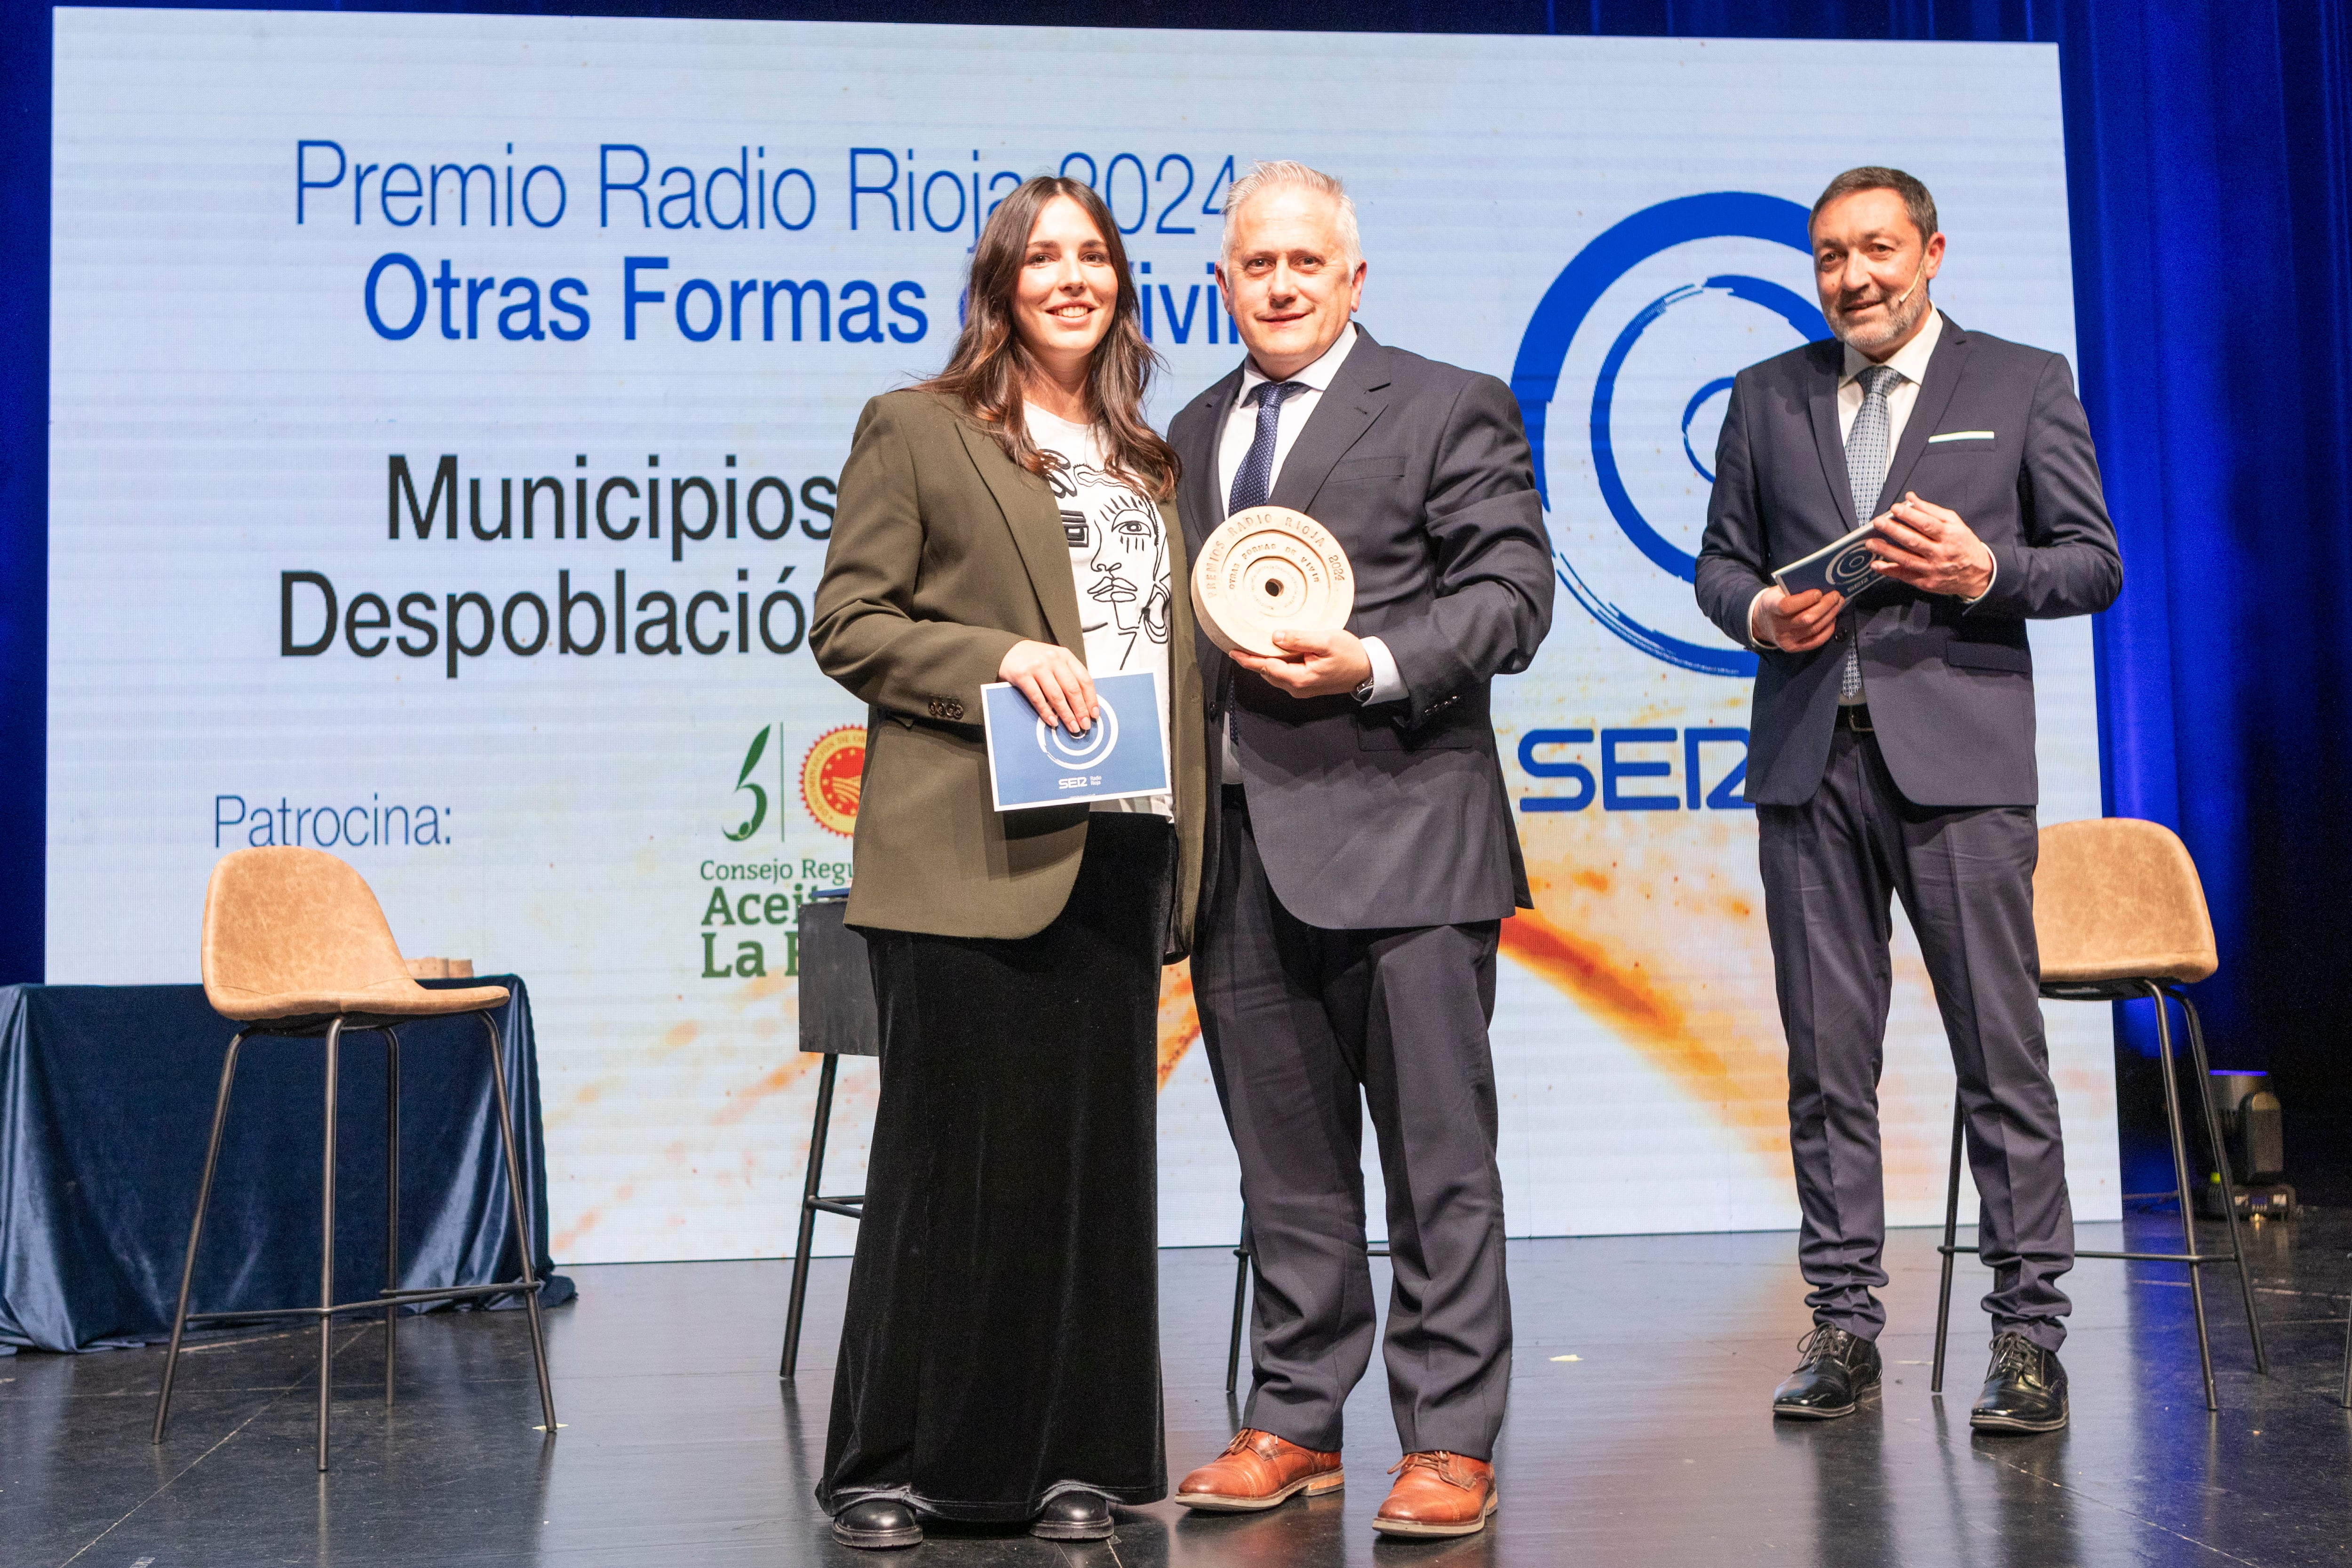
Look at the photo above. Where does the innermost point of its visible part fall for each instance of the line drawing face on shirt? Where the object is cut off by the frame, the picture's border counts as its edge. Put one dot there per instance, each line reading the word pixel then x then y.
pixel 1127 566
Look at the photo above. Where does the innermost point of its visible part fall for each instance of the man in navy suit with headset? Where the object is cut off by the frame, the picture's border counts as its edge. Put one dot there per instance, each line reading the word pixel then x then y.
pixel 1891 755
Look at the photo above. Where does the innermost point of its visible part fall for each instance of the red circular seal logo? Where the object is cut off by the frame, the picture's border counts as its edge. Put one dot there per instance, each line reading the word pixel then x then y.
pixel 829 778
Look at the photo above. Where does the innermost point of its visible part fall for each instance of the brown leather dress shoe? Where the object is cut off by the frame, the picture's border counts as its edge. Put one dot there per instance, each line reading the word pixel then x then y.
pixel 1439 1494
pixel 1258 1471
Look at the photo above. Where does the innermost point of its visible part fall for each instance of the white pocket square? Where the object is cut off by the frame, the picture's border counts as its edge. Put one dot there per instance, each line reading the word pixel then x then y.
pixel 1961 435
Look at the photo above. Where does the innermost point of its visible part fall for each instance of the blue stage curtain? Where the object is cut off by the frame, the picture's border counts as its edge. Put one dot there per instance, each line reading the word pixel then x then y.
pixel 2209 174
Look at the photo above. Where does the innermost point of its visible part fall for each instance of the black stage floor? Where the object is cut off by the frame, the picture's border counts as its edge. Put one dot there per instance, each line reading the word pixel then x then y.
pixel 1638 1433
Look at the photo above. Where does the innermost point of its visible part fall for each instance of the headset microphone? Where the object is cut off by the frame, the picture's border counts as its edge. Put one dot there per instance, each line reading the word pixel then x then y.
pixel 1916 279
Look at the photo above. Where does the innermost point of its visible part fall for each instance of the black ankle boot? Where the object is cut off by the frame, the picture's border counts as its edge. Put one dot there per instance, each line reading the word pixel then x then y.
pixel 1074 1516
pixel 876 1525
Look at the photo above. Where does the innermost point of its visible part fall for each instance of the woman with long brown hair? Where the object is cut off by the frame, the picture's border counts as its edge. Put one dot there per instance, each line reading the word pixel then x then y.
pixel 1010 519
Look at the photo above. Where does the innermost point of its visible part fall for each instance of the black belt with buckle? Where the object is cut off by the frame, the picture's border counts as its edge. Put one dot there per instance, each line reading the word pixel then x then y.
pixel 1854 716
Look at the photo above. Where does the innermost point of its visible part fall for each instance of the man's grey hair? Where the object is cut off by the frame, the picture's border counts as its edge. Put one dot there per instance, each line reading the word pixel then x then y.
pixel 1266 173
pixel 1918 204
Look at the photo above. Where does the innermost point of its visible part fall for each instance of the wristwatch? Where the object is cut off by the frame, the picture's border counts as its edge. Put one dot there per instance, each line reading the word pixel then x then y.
pixel 1364 694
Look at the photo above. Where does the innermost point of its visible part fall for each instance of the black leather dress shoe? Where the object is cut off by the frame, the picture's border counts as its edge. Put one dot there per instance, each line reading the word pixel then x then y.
pixel 1837 1372
pixel 877 1524
pixel 2024 1391
pixel 1074 1516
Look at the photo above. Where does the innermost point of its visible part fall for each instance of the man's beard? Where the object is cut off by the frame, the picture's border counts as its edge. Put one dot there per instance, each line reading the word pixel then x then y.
pixel 1897 325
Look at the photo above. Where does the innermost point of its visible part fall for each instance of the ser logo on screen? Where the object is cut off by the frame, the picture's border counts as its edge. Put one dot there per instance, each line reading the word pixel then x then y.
pixel 1623 374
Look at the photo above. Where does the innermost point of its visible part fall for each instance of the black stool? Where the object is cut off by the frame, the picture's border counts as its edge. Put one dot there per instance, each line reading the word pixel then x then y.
pixel 837 1020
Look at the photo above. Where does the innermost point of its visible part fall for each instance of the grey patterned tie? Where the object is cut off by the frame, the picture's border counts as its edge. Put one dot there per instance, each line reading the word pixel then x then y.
pixel 1868 450
pixel 1254 479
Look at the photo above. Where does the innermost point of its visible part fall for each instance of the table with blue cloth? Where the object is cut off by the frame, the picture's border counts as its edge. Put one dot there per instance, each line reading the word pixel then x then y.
pixel 105 1100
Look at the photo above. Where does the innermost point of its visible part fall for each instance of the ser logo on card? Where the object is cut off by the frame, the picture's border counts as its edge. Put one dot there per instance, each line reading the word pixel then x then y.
pixel 1078 755
pixel 1031 762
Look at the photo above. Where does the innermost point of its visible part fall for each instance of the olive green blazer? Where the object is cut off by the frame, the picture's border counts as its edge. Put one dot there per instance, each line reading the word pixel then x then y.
pixel 946 553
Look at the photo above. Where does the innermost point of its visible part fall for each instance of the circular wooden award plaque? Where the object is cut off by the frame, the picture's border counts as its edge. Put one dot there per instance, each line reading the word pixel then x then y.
pixel 1270 569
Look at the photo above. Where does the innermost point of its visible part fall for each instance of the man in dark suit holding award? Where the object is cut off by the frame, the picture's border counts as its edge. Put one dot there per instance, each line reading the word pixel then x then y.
pixel 1363 861
pixel 1891 755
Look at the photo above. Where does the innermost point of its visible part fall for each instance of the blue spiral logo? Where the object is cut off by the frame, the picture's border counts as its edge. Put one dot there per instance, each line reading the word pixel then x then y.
pixel 1081 753
pixel 1849 571
pixel 1565 311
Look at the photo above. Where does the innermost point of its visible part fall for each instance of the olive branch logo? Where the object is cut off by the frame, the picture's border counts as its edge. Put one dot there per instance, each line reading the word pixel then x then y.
pixel 759 795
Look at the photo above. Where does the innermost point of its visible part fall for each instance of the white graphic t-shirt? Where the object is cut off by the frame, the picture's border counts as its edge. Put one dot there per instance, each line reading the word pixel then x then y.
pixel 1118 561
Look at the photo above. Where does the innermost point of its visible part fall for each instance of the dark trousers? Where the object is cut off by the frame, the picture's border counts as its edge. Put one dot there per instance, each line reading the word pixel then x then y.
pixel 1001 1339
pixel 1305 1027
pixel 1966 880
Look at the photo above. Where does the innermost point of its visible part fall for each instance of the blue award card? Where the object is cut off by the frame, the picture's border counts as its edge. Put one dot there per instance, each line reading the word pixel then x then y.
pixel 1031 762
pixel 1842 565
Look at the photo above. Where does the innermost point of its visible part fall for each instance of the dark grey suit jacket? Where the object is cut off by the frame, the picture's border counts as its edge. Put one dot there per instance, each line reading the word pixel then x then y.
pixel 1394 815
pixel 1950 687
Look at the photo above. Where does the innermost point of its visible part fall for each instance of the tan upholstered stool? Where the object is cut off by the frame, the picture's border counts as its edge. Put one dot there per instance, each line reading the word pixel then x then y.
pixel 296 946
pixel 2119 914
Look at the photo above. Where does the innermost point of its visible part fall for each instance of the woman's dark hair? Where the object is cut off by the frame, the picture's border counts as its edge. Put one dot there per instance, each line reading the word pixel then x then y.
pixel 990 364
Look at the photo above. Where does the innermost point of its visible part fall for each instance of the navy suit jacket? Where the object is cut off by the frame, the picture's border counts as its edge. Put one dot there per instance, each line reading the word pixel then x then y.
pixel 1392 815
pixel 1950 686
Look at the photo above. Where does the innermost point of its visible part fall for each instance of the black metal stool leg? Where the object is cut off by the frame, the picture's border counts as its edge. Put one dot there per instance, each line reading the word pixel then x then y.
pixel 2344 1398
pixel 2222 1168
pixel 797 1297
pixel 2187 1198
pixel 327 1243
pixel 521 1218
pixel 391 1205
pixel 196 1231
pixel 1241 1301
pixel 1951 1238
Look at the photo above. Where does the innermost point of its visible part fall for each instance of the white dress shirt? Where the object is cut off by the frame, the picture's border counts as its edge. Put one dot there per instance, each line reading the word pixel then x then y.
pixel 1910 362
pixel 1241 429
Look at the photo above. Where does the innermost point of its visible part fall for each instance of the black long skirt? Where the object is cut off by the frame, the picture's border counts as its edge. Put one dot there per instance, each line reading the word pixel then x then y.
pixel 1002 1342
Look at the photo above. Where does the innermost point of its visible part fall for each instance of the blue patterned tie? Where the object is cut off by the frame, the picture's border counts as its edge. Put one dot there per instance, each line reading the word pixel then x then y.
pixel 1868 450
pixel 1254 478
